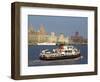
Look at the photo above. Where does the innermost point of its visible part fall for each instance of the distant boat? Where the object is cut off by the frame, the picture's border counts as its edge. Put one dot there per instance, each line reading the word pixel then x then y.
pixel 63 52
pixel 46 43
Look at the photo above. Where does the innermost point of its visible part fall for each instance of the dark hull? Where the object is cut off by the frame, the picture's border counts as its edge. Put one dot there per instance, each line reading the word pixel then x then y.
pixel 60 57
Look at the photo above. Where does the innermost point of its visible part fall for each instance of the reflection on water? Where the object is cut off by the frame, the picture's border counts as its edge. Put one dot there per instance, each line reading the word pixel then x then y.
pixel 34 52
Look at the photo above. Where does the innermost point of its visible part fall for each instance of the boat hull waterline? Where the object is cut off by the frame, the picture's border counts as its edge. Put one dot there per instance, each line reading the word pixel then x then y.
pixel 60 57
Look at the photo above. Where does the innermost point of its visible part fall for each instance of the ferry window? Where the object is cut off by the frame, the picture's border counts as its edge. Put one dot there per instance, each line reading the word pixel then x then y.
pixel 69 51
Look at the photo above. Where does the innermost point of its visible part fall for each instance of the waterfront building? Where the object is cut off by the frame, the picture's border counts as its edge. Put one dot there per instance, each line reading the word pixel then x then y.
pixel 78 39
pixel 61 38
pixel 67 40
pixel 39 36
pixel 52 38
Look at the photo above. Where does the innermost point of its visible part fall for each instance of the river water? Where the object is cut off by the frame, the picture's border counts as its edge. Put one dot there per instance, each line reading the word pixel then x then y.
pixel 34 52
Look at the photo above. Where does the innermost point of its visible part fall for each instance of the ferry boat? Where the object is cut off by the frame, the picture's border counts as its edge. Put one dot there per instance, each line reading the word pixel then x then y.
pixel 46 43
pixel 62 52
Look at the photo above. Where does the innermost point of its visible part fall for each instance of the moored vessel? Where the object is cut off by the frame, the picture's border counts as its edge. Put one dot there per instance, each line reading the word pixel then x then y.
pixel 46 43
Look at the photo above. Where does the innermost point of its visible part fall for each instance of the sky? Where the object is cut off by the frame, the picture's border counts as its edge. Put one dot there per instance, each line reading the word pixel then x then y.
pixel 60 24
